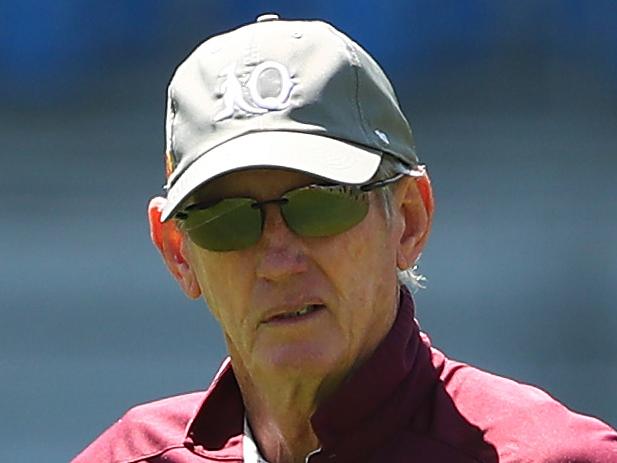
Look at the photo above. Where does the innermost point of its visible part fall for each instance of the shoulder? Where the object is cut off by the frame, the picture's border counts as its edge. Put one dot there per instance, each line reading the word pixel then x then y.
pixel 524 423
pixel 144 431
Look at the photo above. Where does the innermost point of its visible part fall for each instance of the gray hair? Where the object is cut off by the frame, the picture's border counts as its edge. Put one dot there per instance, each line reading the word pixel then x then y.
pixel 389 167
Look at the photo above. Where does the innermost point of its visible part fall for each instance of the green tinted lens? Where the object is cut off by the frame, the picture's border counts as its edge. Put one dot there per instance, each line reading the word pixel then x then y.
pixel 324 210
pixel 228 225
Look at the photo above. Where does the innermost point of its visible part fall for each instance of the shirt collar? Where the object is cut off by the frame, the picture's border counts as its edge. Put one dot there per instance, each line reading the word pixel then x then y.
pixel 250 451
pixel 216 430
pixel 375 399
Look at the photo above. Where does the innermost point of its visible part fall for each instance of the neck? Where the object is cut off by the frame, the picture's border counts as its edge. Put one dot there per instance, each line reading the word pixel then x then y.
pixel 279 413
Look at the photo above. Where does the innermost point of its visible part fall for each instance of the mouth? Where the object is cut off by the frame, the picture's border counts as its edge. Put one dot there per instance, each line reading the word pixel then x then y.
pixel 302 313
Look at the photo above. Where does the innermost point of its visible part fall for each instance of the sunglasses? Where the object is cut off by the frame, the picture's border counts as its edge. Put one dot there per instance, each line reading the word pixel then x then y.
pixel 316 210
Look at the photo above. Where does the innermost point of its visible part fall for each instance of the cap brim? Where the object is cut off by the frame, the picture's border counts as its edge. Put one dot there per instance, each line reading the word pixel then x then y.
pixel 317 155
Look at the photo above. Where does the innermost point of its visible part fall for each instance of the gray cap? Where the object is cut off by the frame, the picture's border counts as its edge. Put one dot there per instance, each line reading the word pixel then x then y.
pixel 291 94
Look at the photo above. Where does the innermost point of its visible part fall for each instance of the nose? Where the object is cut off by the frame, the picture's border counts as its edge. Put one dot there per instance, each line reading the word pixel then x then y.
pixel 281 253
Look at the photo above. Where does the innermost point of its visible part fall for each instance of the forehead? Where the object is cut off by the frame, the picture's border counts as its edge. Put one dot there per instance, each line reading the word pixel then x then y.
pixel 254 183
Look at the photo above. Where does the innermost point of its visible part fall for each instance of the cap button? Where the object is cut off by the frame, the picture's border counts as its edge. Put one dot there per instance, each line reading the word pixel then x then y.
pixel 267 17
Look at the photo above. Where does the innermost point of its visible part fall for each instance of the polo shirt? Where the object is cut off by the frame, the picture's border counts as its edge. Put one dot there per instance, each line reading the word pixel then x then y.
pixel 407 403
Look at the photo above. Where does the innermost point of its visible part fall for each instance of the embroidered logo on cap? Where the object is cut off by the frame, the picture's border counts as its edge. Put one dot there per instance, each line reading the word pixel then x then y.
pixel 268 88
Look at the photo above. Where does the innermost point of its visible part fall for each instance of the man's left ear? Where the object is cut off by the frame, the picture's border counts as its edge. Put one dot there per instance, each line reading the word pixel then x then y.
pixel 414 197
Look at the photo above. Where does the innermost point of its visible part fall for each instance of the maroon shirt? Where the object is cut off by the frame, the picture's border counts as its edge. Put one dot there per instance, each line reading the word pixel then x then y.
pixel 407 403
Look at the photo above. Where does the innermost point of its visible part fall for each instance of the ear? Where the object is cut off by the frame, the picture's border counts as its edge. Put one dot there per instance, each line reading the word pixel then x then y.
pixel 414 197
pixel 170 242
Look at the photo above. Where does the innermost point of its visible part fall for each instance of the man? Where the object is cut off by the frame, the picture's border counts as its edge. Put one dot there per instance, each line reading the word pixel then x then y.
pixel 295 202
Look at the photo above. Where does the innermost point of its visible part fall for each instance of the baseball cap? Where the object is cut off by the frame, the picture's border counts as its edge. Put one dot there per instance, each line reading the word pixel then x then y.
pixel 293 94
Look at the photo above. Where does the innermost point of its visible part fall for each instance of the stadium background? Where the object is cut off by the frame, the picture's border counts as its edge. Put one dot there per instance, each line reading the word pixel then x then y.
pixel 514 107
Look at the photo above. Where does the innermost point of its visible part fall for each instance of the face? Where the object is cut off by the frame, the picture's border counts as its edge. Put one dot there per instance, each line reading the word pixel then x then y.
pixel 292 304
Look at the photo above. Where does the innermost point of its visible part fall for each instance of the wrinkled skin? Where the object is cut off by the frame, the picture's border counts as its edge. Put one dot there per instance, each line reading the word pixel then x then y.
pixel 293 363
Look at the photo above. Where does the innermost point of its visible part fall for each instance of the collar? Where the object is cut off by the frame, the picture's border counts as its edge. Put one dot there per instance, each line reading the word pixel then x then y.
pixel 364 411
pixel 250 452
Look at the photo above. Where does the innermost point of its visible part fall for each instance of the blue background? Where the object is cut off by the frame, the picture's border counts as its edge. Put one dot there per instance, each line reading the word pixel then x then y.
pixel 514 107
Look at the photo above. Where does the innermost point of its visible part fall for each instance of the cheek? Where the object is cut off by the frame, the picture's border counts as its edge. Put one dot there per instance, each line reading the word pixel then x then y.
pixel 362 261
pixel 370 245
pixel 221 280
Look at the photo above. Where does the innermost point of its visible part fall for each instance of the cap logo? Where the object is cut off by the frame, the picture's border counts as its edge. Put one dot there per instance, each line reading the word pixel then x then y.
pixel 268 88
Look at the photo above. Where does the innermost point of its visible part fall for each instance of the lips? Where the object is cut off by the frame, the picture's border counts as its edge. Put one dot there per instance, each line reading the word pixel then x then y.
pixel 291 314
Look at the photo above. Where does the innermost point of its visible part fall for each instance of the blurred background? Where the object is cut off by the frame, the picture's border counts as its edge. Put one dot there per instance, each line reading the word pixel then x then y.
pixel 514 107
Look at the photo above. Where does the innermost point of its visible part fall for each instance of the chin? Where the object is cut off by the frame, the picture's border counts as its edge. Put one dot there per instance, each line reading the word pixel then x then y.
pixel 304 358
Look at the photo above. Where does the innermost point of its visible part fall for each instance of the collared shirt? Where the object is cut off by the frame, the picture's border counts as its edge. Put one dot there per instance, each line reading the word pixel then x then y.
pixel 250 452
pixel 407 402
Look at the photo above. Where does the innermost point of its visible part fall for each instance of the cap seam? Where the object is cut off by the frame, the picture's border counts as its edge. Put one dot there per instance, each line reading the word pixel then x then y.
pixel 355 64
pixel 358 64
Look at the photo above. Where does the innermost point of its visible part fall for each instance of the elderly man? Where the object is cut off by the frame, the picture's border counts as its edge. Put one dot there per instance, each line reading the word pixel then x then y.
pixel 295 204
